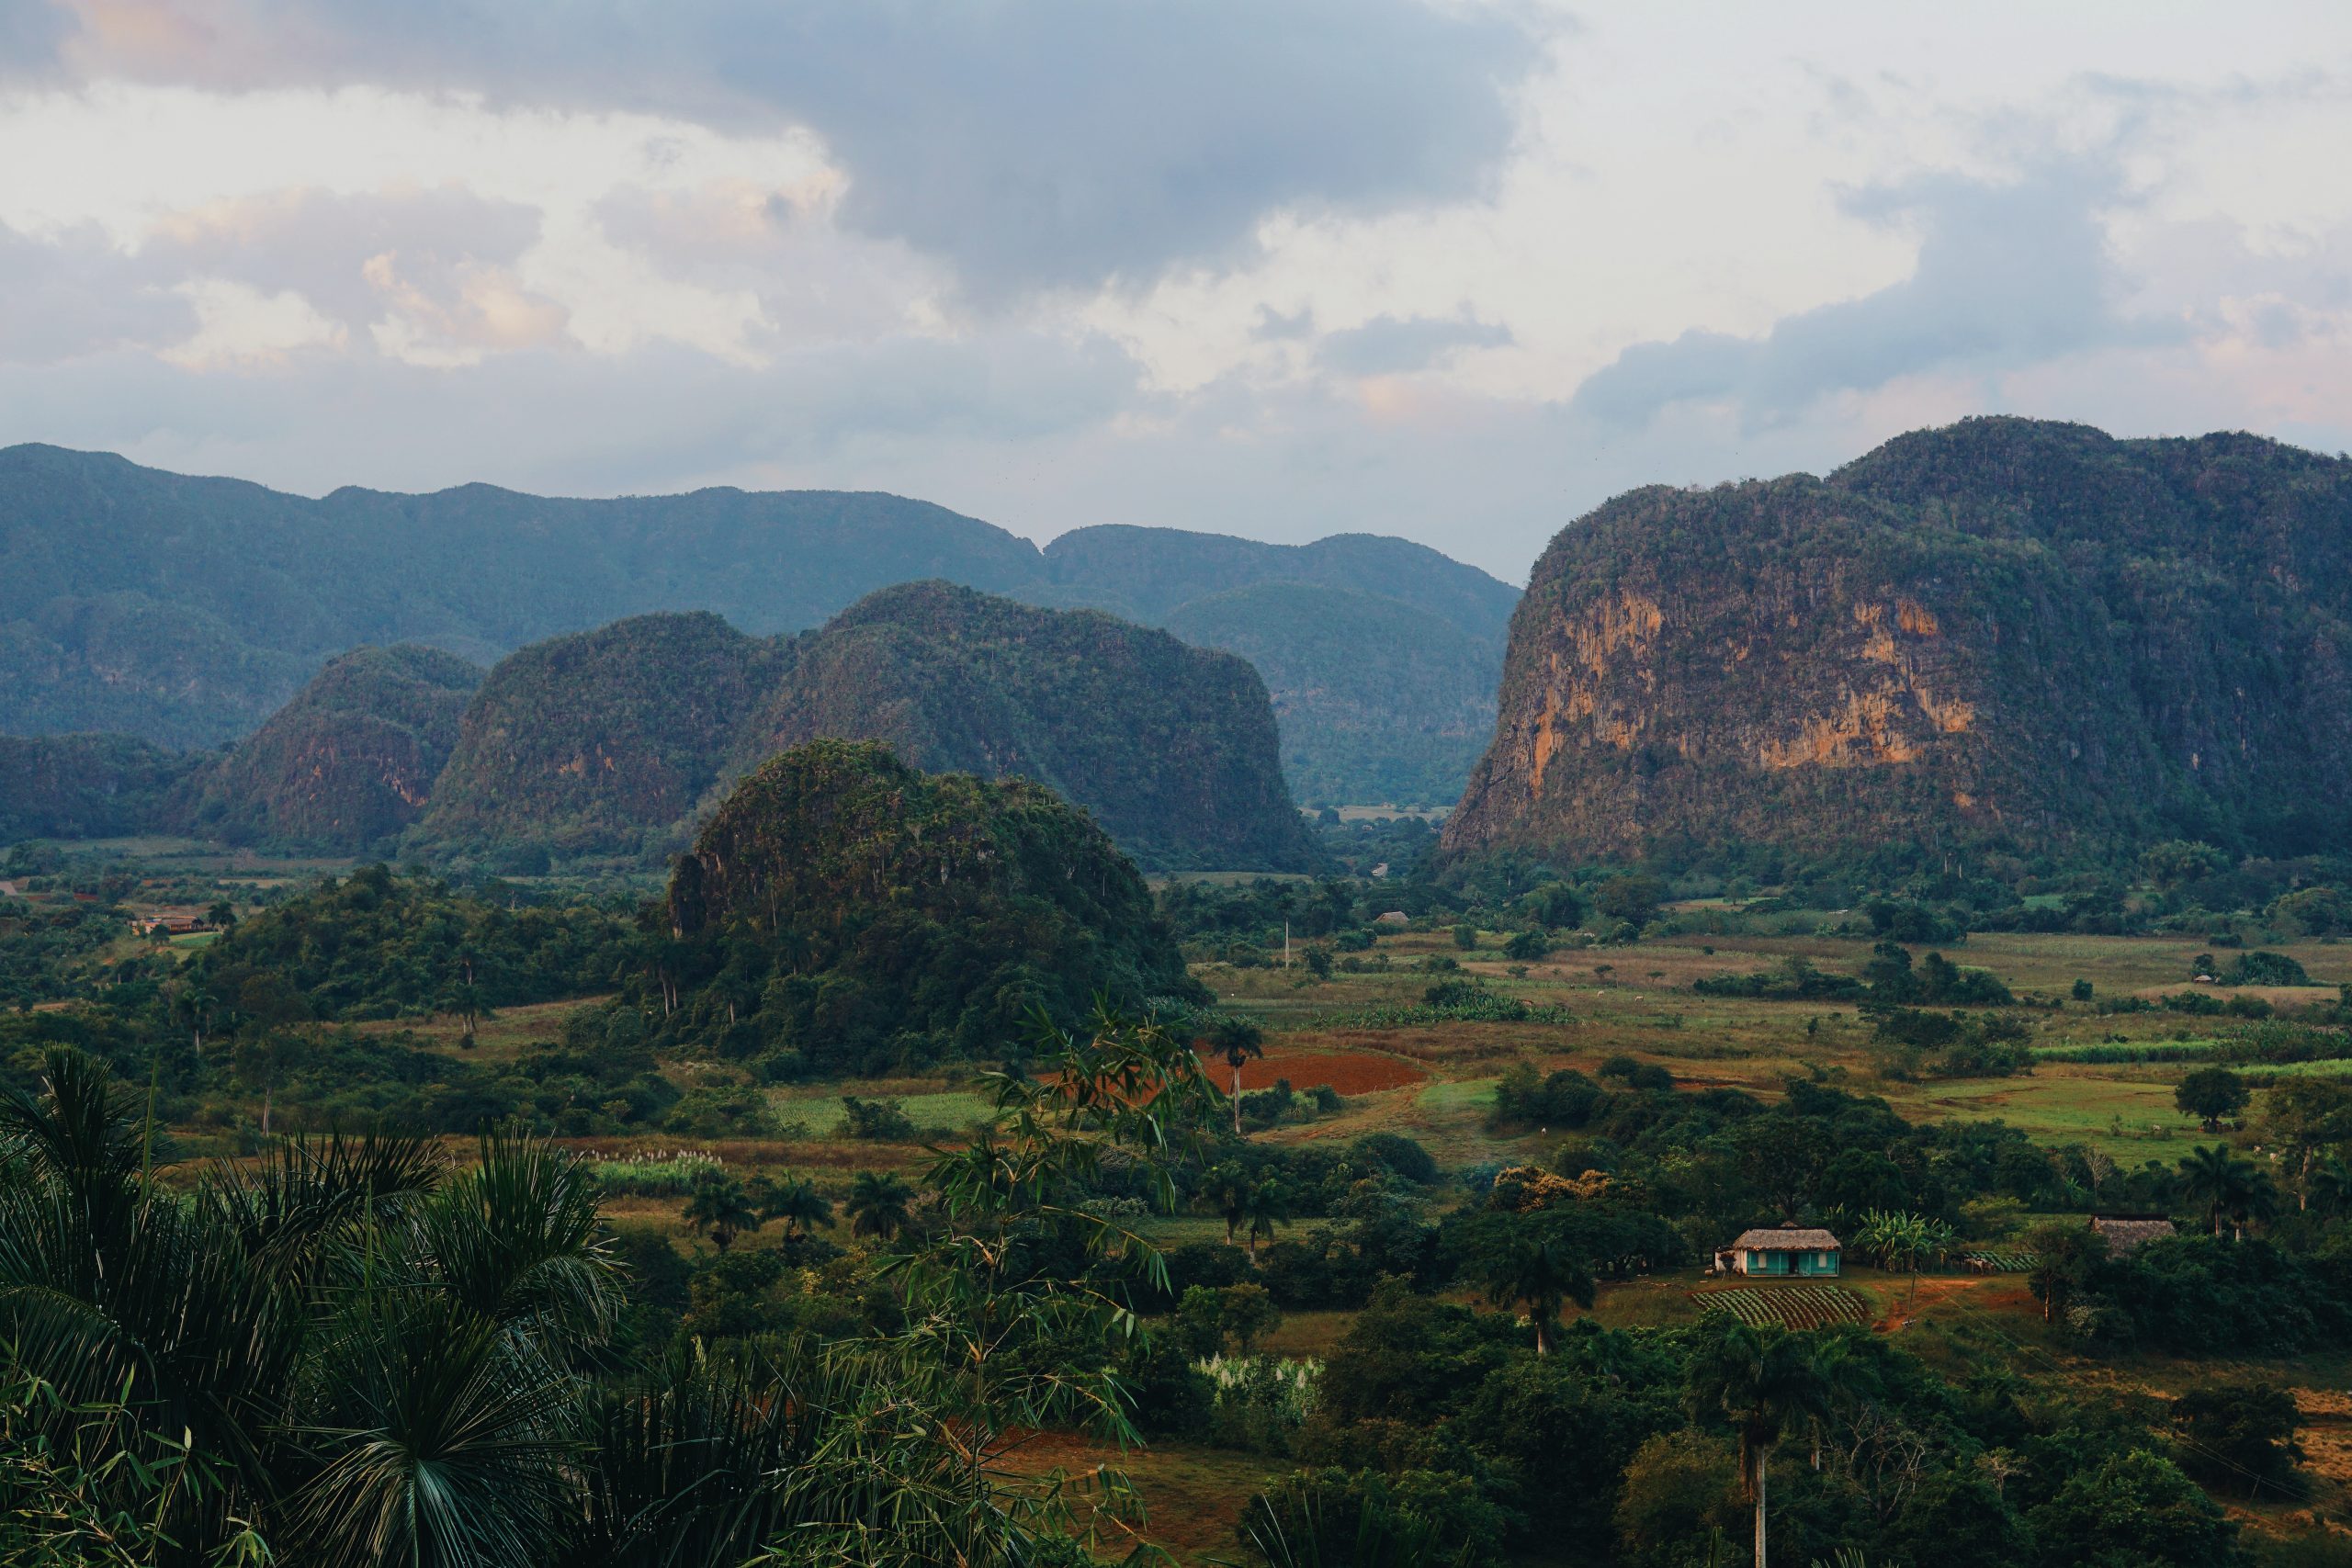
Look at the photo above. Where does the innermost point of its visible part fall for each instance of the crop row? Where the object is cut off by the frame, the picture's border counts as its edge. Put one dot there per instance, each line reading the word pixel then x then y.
pixel 1793 1306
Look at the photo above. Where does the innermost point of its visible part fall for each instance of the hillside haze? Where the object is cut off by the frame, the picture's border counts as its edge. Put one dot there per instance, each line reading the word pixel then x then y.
pixel 2006 632
pixel 186 610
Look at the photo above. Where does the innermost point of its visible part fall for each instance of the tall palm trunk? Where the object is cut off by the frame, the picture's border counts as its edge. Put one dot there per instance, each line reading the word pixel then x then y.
pixel 1763 1452
pixel 1237 1100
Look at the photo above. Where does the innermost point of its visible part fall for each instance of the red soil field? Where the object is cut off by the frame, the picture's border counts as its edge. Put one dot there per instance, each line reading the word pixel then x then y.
pixel 1349 1072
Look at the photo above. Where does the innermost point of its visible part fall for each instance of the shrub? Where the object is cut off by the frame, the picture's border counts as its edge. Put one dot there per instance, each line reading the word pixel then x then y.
pixel 2265 969
pixel 1335 1515
pixel 2241 1438
pixel 1529 947
pixel 1397 1155
pixel 877 1121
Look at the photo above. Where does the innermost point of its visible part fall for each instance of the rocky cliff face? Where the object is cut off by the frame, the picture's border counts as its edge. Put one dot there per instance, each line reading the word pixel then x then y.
pixel 2005 633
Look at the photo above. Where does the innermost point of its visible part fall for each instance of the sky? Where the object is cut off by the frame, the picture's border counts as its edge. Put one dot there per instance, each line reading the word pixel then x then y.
pixel 1448 269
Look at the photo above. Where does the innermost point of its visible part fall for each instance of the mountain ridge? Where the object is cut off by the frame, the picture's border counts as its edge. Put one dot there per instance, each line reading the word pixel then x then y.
pixel 216 599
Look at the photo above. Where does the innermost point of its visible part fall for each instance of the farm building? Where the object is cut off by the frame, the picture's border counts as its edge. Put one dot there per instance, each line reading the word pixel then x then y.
pixel 1790 1251
pixel 172 922
pixel 2127 1232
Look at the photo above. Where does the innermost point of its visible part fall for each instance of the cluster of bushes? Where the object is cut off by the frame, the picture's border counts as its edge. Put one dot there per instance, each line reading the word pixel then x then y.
pixel 1264 1108
pixel 1794 979
pixel 1458 1000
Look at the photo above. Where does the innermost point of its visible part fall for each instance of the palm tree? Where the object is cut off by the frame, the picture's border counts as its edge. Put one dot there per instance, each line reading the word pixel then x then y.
pixel 878 1204
pixel 1845 1377
pixel 2329 1185
pixel 2258 1200
pixel 1266 1206
pixel 794 1201
pixel 1759 1380
pixel 1238 1041
pixel 1226 1190
pixel 1531 1264
pixel 368 1359
pixel 2224 1184
pixel 721 1210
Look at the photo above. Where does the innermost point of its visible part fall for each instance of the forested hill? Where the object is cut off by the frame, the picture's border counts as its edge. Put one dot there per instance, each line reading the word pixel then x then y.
pixel 1147 574
pixel 613 742
pixel 86 786
pixel 842 910
pixel 2005 633
pixel 185 611
pixel 349 764
pixel 599 742
pixel 188 609
pixel 1172 747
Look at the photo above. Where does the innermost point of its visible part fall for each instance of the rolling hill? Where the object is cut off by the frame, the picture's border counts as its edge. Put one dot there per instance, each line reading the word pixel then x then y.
pixel 2007 633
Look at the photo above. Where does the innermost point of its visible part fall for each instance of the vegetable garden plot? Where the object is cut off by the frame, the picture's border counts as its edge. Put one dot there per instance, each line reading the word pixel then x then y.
pixel 1793 1306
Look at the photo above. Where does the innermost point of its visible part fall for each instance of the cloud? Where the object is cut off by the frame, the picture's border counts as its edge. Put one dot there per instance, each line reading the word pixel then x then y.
pixel 74 293
pixel 1388 346
pixel 2010 273
pixel 239 327
pixel 1033 143
pixel 426 273
pixel 814 283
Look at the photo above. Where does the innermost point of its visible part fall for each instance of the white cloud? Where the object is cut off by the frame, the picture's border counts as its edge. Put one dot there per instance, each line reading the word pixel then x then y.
pixel 241 328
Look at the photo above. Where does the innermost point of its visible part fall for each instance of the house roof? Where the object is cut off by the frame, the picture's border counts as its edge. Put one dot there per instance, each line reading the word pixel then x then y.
pixel 2123 1235
pixel 1786 1238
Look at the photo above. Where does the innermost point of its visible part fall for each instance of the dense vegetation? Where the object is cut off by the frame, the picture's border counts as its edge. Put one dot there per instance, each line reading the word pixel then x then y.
pixel 352 1354
pixel 2002 636
pixel 842 910
pixel 620 1400
pixel 349 764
